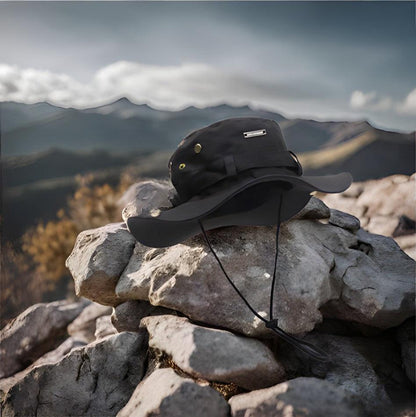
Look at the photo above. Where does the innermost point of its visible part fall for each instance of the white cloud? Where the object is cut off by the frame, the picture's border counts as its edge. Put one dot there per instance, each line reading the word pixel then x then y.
pixel 370 101
pixel 408 106
pixel 166 87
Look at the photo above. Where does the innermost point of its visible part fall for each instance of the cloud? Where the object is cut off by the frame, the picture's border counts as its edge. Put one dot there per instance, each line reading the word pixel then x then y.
pixel 370 101
pixel 167 87
pixel 408 106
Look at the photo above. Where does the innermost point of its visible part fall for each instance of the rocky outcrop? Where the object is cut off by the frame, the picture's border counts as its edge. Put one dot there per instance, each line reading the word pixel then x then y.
pixel 213 354
pixel 185 331
pixel 97 261
pixel 322 268
pixel 383 206
pixel 94 380
pixel 37 330
pixel 166 394
pixel 297 397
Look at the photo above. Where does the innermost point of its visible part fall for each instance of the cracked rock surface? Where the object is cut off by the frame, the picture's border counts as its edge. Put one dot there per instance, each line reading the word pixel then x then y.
pixel 97 261
pixel 296 398
pixel 212 354
pixel 36 331
pixel 322 268
pixel 174 397
pixel 94 380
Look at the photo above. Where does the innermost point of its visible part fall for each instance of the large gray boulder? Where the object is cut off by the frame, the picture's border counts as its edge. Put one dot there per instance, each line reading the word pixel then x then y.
pixel 54 356
pixel 297 397
pixel 341 272
pixel 166 394
pixel 39 329
pixel 97 261
pixel 95 380
pixel 213 354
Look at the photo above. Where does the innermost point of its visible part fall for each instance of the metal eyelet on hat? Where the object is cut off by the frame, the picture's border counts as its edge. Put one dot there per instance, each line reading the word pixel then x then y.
pixel 154 212
pixel 197 148
pixel 182 165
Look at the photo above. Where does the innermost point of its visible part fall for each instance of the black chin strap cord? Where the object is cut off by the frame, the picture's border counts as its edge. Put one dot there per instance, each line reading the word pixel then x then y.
pixel 272 324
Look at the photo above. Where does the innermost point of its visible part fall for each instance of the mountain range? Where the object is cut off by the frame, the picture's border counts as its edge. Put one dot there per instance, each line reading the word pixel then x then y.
pixel 45 146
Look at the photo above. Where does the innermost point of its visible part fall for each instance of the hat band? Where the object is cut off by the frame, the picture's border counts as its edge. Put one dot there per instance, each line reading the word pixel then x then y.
pixel 197 177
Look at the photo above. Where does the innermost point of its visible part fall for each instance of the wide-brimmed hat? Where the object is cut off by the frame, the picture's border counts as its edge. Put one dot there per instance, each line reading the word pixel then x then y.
pixel 237 171
pixel 227 174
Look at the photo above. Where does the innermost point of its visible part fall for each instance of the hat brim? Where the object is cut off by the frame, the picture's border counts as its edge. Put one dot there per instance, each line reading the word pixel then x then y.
pixel 180 222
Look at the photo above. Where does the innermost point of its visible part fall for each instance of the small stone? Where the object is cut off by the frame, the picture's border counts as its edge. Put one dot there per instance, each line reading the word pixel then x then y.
pixel 104 327
pixel 166 394
pixel 127 316
pixel 344 220
pixel 83 327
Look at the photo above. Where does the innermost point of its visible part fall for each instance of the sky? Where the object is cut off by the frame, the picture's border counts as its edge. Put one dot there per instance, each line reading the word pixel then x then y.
pixel 318 60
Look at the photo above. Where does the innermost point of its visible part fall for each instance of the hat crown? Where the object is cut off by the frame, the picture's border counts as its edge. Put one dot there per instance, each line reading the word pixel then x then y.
pixel 225 149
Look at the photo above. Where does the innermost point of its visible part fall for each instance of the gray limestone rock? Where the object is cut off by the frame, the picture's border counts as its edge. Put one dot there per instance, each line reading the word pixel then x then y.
pixel 37 330
pixel 166 394
pixel 344 220
pixel 97 261
pixel 94 380
pixel 297 397
pixel 127 316
pixel 104 327
pixel 212 354
pixel 321 268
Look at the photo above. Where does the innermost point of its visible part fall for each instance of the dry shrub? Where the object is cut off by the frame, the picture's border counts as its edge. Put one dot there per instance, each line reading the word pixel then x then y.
pixel 20 284
pixel 91 206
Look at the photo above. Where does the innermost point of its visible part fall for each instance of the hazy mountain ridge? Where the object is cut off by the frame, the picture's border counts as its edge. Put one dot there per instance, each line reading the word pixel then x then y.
pixel 106 139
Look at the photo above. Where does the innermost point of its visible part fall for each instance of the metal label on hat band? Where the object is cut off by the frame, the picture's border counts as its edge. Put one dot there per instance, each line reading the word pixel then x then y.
pixel 254 133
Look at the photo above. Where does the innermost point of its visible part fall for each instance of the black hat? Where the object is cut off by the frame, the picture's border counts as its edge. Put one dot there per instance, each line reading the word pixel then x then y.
pixel 236 171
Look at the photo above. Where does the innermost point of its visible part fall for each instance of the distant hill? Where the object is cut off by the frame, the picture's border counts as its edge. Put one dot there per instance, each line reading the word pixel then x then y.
pixel 370 155
pixel 44 147
pixel 118 127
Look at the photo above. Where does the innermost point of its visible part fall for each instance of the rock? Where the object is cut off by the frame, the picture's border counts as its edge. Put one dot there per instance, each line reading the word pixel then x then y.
pixel 37 330
pixel 104 327
pixel 144 196
pixel 127 316
pixel 97 261
pixel 212 354
pixel 405 226
pixel 94 380
pixel 174 397
pixel 321 268
pixel 377 288
pixel 408 244
pixel 51 357
pixel 83 327
pixel 344 220
pixel 314 209
pixel 350 370
pixel 379 204
pixel 297 397
pixel 406 339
